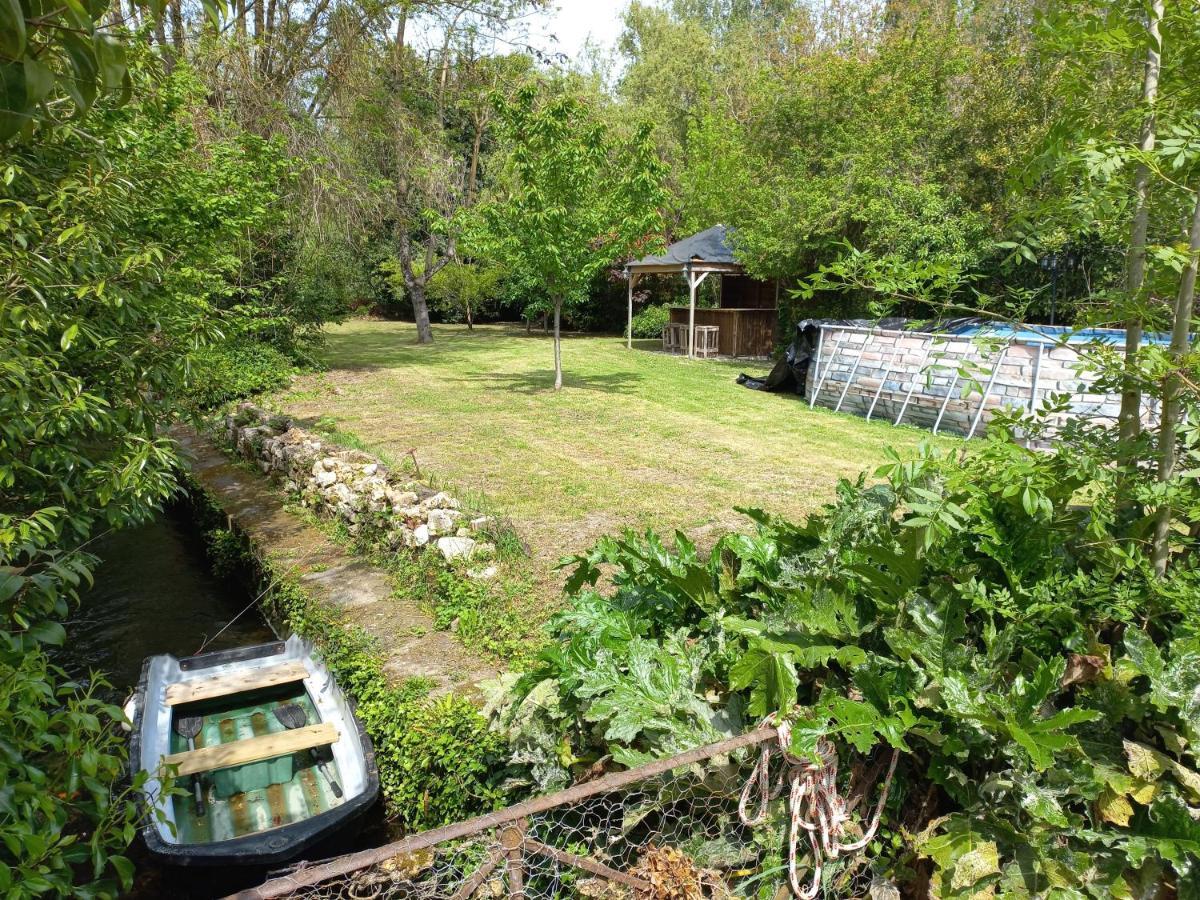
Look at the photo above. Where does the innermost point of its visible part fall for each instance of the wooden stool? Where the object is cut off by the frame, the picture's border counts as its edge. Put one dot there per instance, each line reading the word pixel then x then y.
pixel 706 340
pixel 674 338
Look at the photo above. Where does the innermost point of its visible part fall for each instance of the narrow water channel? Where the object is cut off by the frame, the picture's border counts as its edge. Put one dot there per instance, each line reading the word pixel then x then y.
pixel 154 593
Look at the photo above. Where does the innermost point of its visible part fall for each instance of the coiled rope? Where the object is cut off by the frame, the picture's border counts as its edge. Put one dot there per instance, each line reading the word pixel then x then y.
pixel 814 804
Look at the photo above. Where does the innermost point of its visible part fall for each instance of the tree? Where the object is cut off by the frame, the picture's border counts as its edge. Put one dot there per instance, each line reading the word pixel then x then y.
pixel 575 196
pixel 1131 397
pixel 462 290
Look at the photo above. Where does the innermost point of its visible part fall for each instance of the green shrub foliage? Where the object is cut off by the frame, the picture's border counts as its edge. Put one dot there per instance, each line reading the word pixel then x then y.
pixel 1039 679
pixel 650 322
pixel 232 371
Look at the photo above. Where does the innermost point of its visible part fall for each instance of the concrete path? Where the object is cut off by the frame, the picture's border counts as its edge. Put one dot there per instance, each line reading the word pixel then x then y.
pixel 407 639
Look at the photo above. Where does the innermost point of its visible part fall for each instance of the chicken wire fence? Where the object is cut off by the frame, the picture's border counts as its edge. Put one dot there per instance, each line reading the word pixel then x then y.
pixel 669 830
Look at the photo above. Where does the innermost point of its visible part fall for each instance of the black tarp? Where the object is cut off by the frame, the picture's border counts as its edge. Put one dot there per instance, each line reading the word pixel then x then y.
pixel 791 372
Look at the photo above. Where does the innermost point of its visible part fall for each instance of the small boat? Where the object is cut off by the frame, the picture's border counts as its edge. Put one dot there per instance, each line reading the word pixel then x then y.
pixel 263 747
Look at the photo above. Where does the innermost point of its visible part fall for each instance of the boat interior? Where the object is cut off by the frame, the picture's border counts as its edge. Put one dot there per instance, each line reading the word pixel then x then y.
pixel 257 768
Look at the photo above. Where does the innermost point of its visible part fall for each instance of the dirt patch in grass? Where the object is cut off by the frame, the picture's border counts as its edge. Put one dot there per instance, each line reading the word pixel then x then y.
pixel 635 438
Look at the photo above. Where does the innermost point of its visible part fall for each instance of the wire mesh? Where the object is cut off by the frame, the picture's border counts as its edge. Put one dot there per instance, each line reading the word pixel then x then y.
pixel 672 834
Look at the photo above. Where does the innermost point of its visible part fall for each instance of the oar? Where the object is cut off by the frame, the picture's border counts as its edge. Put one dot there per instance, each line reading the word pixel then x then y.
pixel 187 727
pixel 292 716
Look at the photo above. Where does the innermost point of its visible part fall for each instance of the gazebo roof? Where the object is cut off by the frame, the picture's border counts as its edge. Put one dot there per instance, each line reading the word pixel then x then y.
pixel 706 250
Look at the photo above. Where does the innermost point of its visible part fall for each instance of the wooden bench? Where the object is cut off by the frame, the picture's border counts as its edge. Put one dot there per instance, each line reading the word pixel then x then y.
pixel 255 749
pixel 235 683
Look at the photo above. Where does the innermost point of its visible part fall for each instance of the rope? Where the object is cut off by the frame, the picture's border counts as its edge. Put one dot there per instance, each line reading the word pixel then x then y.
pixel 814 803
pixel 272 582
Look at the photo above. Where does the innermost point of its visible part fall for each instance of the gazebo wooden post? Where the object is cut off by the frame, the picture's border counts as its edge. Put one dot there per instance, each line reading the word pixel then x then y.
pixel 693 283
pixel 629 318
pixel 691 314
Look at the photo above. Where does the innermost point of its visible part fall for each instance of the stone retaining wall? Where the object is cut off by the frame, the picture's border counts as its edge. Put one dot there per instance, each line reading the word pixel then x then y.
pixel 356 488
pixel 908 375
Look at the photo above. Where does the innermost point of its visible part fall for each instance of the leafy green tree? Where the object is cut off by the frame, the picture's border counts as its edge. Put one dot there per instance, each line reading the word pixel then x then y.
pixel 122 239
pixel 575 197
pixel 461 291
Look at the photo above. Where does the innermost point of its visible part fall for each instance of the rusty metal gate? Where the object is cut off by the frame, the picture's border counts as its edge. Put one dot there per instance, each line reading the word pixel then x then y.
pixel 670 828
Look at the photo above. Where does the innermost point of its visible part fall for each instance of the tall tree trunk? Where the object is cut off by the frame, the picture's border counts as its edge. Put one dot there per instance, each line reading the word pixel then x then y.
pixel 416 290
pixel 1130 417
pixel 176 10
pixel 420 305
pixel 401 27
pixel 557 344
pixel 264 50
pixel 240 11
pixel 258 28
pixel 473 168
pixel 160 35
pixel 470 324
pixel 1172 388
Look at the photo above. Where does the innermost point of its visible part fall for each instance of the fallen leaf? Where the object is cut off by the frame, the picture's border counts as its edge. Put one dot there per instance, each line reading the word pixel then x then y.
pixel 1081 669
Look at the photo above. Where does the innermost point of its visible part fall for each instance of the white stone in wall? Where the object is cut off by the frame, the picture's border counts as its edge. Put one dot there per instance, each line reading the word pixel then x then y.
pixel 442 521
pixel 455 547
pixel 401 499
pixel 440 500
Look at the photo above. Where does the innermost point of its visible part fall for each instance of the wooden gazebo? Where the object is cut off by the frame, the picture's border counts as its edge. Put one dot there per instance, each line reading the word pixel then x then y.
pixel 748 310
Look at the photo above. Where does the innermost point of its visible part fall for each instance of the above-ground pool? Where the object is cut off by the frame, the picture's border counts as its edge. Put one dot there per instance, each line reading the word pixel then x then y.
pixel 1056 334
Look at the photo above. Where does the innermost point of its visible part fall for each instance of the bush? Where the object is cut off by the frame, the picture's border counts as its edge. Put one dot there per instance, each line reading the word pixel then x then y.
pixel 232 371
pixel 650 321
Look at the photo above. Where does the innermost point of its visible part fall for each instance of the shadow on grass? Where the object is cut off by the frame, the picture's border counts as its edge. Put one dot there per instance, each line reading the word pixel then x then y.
pixel 543 382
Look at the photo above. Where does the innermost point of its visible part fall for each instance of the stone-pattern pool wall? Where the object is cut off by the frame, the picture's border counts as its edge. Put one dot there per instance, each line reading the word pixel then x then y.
pixel 883 371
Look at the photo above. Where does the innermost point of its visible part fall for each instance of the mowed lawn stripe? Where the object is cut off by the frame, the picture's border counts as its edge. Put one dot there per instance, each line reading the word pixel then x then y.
pixel 635 438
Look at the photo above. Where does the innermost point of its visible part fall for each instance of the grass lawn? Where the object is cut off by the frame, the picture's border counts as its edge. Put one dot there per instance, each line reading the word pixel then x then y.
pixel 638 439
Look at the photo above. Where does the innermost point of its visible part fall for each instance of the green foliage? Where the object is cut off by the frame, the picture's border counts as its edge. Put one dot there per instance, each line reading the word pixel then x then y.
pixel 67 810
pixel 649 322
pixel 233 371
pixel 812 131
pixel 226 551
pixel 1038 678
pixel 576 198
pixel 462 292
pixel 104 297
pixel 124 238
pixel 483 614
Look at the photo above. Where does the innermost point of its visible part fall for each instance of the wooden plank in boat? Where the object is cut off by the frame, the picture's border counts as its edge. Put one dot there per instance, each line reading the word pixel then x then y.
pixel 252 749
pixel 234 683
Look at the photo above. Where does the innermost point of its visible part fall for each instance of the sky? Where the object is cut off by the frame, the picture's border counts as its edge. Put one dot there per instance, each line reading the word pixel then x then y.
pixel 574 21
pixel 565 27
